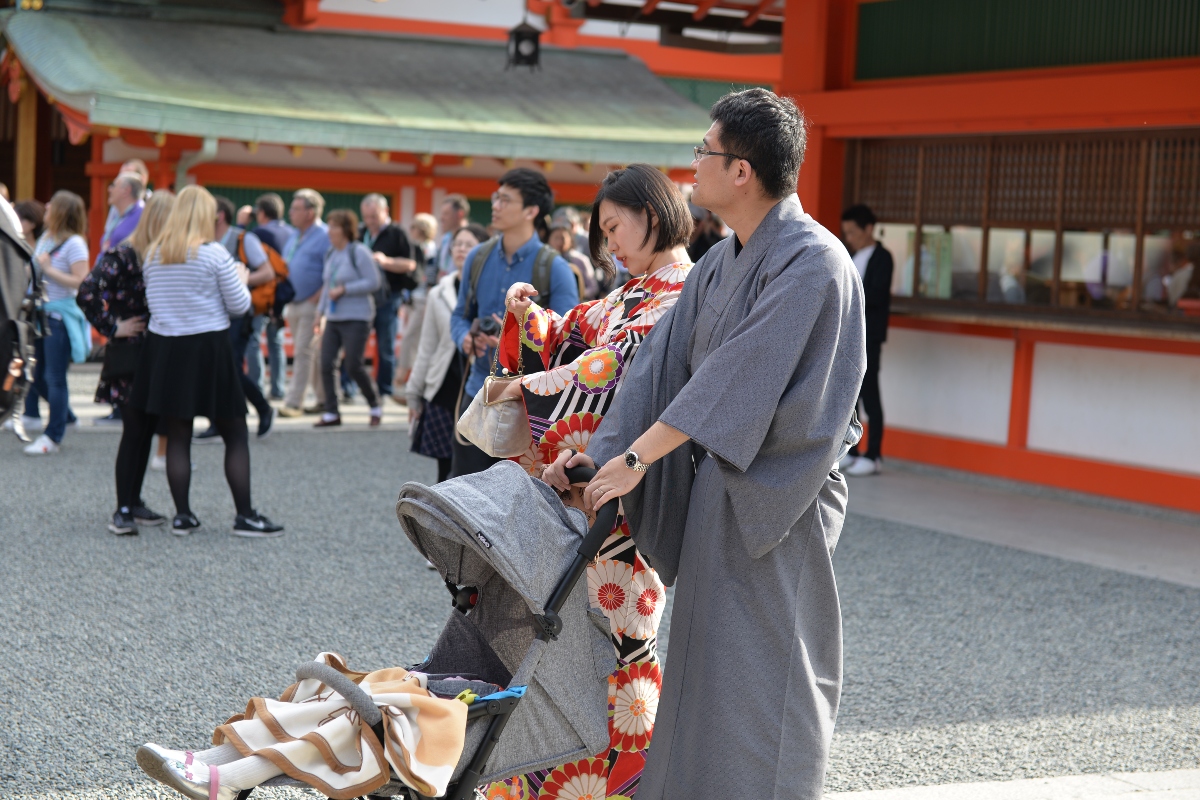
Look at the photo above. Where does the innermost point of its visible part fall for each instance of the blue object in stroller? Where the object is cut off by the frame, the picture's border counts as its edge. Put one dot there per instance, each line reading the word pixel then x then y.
pixel 512 556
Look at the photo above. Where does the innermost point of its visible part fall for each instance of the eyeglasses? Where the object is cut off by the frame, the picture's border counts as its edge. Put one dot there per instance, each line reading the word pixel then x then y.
pixel 701 153
pixel 502 199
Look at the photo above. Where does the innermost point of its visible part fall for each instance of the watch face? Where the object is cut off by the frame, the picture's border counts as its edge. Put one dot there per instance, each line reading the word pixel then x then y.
pixel 631 460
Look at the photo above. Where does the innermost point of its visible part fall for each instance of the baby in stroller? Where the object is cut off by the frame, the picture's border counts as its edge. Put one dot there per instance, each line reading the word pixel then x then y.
pixel 522 653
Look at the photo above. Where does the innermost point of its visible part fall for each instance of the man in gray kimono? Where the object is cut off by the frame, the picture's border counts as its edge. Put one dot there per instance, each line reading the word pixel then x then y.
pixel 722 442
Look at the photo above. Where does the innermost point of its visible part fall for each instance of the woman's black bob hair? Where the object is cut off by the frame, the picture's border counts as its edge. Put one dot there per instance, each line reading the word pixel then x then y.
pixel 641 188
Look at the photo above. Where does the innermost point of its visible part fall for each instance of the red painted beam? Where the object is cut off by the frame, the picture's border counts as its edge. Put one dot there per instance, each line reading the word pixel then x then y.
pixel 1115 97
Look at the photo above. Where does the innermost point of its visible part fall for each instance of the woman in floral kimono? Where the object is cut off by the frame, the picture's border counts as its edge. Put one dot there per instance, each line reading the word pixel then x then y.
pixel 640 219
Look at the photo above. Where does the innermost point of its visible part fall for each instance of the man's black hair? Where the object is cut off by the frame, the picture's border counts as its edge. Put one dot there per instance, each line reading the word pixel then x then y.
pixel 535 191
pixel 766 130
pixel 641 189
pixel 225 206
pixel 860 215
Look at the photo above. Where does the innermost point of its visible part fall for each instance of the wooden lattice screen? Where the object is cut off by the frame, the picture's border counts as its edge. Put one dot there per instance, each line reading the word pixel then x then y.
pixel 1096 181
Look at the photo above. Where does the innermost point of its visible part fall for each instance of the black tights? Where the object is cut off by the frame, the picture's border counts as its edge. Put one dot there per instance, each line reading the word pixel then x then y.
pixel 133 454
pixel 237 461
pixel 444 465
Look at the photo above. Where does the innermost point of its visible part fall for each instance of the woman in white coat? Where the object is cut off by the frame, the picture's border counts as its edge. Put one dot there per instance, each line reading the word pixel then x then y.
pixel 436 378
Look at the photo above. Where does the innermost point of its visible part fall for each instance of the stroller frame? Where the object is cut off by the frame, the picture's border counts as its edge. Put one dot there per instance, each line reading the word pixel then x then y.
pixel 499 709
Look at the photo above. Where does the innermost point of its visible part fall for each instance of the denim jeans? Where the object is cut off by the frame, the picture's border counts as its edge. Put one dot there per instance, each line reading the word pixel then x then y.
pixel 254 356
pixel 276 359
pixel 53 353
pixel 385 341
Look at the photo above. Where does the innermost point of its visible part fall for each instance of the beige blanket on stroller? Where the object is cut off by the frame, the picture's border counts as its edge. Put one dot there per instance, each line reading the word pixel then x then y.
pixel 313 735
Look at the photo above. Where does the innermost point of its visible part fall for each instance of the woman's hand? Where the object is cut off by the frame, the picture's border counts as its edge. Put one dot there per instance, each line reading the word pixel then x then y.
pixel 555 474
pixel 511 392
pixel 129 327
pixel 612 481
pixel 243 272
pixel 517 301
pixel 337 292
pixel 319 326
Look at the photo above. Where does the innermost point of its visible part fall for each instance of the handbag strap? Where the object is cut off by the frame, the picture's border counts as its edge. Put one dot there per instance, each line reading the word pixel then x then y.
pixel 520 353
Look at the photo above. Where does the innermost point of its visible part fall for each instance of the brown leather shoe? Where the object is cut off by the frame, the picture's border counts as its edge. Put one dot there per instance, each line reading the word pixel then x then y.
pixel 376 420
pixel 317 409
pixel 328 423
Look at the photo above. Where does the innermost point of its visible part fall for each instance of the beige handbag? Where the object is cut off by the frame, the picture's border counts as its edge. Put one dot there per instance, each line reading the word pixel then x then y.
pixel 499 428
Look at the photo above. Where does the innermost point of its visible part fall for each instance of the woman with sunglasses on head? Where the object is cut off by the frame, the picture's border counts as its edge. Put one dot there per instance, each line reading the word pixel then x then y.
pixel 640 218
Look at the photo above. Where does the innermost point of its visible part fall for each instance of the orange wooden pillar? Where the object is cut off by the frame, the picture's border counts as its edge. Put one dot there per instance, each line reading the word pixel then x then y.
pixel 817 40
pixel 98 202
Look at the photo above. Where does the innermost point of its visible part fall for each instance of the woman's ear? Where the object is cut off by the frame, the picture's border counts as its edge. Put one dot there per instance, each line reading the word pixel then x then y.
pixel 651 216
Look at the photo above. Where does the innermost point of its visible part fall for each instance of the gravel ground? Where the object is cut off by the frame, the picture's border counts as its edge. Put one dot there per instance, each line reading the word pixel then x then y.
pixel 963 661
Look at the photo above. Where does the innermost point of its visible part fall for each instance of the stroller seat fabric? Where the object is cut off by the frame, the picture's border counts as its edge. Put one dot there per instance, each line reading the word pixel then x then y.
pixel 511 537
pixel 314 735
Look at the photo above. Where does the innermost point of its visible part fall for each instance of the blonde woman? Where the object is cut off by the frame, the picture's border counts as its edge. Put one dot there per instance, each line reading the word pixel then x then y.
pixel 193 287
pixel 113 298
pixel 62 256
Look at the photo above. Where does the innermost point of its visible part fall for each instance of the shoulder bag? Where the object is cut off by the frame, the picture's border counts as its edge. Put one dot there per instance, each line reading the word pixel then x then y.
pixel 498 427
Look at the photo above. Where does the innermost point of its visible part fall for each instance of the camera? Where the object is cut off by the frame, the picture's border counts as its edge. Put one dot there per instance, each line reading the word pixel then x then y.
pixel 489 327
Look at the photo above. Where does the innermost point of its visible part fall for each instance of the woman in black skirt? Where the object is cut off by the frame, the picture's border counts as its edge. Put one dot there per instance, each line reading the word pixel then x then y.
pixel 187 369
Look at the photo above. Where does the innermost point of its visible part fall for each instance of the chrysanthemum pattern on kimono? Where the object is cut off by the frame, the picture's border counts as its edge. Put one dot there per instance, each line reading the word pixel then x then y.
pixel 583 356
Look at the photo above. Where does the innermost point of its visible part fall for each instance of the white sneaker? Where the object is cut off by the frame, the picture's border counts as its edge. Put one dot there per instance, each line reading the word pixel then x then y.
pixel 158 462
pixel 42 446
pixel 31 423
pixel 846 463
pixel 862 467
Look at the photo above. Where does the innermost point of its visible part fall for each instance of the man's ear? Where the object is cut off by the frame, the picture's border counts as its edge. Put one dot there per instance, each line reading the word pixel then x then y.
pixel 743 173
pixel 531 212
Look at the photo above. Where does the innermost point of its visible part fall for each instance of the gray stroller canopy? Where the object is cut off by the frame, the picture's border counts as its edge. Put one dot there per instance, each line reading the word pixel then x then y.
pixel 511 537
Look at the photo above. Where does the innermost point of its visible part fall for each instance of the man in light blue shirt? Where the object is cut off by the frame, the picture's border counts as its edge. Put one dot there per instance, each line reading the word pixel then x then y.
pixel 305 256
pixel 523 200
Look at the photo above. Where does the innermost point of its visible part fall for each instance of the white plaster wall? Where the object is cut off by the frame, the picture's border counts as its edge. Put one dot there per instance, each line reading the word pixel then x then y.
pixel 1116 405
pixel 946 384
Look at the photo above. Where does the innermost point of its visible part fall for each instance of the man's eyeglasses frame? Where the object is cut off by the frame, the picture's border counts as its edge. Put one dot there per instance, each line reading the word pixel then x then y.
pixel 701 153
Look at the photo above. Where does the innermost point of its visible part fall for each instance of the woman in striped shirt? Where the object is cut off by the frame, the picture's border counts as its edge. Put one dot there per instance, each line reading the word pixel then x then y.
pixel 187 370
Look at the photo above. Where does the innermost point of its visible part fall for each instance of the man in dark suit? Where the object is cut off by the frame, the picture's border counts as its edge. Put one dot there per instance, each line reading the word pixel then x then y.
pixel 875 265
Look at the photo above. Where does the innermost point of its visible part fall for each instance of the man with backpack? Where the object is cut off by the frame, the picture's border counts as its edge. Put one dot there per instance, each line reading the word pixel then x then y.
pixel 265 265
pixel 521 206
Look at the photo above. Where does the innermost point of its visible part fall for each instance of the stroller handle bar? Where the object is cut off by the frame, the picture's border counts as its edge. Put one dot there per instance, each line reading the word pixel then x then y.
pixel 606 517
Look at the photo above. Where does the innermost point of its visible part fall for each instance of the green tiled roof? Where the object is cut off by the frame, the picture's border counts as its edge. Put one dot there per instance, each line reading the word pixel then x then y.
pixel 326 89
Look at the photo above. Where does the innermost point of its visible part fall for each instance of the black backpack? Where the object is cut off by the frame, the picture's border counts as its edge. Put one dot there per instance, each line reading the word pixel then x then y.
pixel 20 318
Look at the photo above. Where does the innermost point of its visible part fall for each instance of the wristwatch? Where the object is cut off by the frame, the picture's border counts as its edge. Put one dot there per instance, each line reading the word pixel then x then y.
pixel 633 462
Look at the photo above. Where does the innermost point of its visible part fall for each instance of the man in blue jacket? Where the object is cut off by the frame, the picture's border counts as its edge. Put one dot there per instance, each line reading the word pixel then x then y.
pixel 305 256
pixel 520 207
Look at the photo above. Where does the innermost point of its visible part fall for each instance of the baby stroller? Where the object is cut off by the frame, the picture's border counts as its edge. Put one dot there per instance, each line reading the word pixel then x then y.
pixel 511 555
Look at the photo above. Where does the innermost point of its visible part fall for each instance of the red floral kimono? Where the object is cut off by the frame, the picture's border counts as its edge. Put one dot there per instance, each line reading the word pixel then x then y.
pixel 582 357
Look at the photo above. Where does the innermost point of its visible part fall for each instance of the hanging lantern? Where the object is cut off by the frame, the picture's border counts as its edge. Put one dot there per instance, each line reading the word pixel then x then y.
pixel 523 47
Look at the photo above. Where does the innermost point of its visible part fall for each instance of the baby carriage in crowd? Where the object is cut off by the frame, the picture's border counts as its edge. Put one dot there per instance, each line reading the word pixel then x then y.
pixel 522 647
